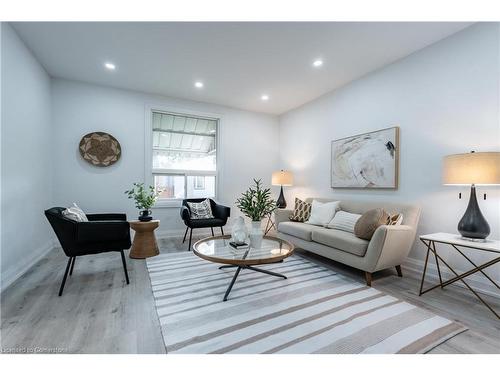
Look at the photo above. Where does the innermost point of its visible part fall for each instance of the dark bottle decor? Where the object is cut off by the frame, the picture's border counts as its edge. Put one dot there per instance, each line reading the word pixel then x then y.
pixel 473 224
pixel 145 199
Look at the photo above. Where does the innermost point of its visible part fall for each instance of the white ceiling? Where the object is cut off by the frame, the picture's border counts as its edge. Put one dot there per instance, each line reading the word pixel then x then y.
pixel 237 62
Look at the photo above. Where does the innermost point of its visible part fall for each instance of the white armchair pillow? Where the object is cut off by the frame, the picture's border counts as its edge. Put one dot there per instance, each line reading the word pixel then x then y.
pixel 75 213
pixel 322 213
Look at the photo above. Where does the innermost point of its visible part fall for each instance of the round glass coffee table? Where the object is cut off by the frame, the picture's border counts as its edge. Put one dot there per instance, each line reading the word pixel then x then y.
pixel 217 250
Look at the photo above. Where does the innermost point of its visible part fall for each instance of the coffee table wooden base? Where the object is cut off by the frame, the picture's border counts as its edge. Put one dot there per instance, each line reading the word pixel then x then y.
pixel 144 244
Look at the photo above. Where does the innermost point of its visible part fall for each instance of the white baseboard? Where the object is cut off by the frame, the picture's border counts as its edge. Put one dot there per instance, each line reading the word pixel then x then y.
pixel 13 273
pixel 477 281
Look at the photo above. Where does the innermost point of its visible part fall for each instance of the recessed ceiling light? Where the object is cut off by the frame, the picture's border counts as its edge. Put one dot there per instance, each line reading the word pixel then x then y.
pixel 198 84
pixel 317 63
pixel 264 97
pixel 110 66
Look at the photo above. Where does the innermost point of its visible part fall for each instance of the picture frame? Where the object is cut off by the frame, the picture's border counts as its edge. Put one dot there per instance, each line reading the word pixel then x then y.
pixel 366 161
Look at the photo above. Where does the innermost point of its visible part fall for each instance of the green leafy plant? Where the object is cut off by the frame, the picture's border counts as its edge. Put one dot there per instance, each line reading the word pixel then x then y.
pixel 144 197
pixel 256 202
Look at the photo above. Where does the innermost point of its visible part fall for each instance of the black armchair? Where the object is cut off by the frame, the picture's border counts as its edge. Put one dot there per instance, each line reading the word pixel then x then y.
pixel 102 233
pixel 221 214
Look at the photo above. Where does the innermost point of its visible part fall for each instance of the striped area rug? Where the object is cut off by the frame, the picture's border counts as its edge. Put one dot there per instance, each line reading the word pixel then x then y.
pixel 314 311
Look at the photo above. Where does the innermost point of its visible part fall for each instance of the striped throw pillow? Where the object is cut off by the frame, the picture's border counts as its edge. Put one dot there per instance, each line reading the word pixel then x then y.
pixel 301 212
pixel 201 210
pixel 344 221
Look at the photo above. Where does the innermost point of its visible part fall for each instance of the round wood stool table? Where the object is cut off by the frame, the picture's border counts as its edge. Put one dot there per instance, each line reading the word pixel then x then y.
pixel 144 245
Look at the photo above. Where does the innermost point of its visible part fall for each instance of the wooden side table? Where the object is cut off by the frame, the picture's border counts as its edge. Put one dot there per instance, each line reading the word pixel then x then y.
pixel 144 245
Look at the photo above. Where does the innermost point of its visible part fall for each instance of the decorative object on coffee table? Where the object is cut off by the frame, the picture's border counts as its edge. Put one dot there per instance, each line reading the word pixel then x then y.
pixel 100 149
pixel 282 178
pixel 144 244
pixel 145 199
pixel 256 203
pixel 474 168
pixel 367 161
pixel 239 231
pixel 218 250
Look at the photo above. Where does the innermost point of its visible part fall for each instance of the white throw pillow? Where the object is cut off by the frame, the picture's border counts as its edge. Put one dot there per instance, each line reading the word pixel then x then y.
pixel 344 221
pixel 75 213
pixel 322 213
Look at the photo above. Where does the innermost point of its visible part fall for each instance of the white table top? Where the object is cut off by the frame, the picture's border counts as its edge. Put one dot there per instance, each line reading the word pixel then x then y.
pixel 456 239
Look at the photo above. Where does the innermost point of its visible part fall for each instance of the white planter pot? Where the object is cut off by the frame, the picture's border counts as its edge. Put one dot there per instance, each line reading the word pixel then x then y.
pixel 256 235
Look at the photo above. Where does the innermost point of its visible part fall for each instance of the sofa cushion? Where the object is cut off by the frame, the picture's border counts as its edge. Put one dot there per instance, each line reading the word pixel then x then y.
pixel 341 240
pixel 301 212
pixel 344 221
pixel 369 222
pixel 322 213
pixel 300 230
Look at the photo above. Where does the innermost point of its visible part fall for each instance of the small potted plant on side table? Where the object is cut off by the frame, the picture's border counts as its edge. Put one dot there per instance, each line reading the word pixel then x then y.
pixel 145 199
pixel 256 203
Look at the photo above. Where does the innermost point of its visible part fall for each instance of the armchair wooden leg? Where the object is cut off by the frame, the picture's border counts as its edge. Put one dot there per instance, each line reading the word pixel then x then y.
pixel 72 266
pixel 368 277
pixel 65 277
pixel 124 266
pixel 185 234
pixel 190 236
pixel 398 269
pixel 222 230
pixel 212 229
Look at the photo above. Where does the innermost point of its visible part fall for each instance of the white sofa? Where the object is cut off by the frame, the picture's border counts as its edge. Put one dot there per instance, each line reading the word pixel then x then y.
pixel 388 247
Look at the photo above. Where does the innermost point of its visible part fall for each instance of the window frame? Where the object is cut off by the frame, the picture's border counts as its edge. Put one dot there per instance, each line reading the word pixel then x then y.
pixel 148 155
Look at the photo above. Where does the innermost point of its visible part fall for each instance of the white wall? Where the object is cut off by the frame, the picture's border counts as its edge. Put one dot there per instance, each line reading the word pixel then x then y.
pixel 445 98
pixel 26 158
pixel 249 148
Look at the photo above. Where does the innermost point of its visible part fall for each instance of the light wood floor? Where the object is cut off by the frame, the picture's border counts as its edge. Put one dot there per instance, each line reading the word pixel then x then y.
pixel 99 313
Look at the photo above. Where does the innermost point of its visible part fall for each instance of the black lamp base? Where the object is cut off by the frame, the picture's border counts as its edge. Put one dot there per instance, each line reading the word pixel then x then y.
pixel 281 202
pixel 473 226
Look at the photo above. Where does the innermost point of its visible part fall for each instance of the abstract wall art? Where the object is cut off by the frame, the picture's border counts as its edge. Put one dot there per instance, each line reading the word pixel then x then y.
pixel 366 161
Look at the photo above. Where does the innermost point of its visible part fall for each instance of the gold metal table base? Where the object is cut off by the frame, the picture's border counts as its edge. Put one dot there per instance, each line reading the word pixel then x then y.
pixel 431 247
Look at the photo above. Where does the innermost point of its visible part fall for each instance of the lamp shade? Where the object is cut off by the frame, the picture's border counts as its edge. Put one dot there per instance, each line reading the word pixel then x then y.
pixel 284 178
pixel 480 168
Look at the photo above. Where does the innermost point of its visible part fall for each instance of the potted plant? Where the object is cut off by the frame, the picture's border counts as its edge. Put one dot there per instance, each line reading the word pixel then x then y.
pixel 256 203
pixel 145 199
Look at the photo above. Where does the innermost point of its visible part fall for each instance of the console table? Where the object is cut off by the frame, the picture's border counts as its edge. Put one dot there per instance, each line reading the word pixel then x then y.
pixel 456 242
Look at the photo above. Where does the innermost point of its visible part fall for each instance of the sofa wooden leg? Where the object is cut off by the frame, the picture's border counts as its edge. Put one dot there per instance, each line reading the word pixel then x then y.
pixel 398 269
pixel 368 277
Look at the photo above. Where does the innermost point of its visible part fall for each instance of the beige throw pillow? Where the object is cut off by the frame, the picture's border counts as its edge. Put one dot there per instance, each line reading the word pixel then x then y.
pixel 369 222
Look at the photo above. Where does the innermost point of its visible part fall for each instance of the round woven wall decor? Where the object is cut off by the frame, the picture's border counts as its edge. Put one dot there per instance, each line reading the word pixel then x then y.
pixel 100 149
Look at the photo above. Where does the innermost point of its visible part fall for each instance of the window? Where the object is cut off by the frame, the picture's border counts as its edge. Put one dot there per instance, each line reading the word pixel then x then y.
pixel 199 183
pixel 184 155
